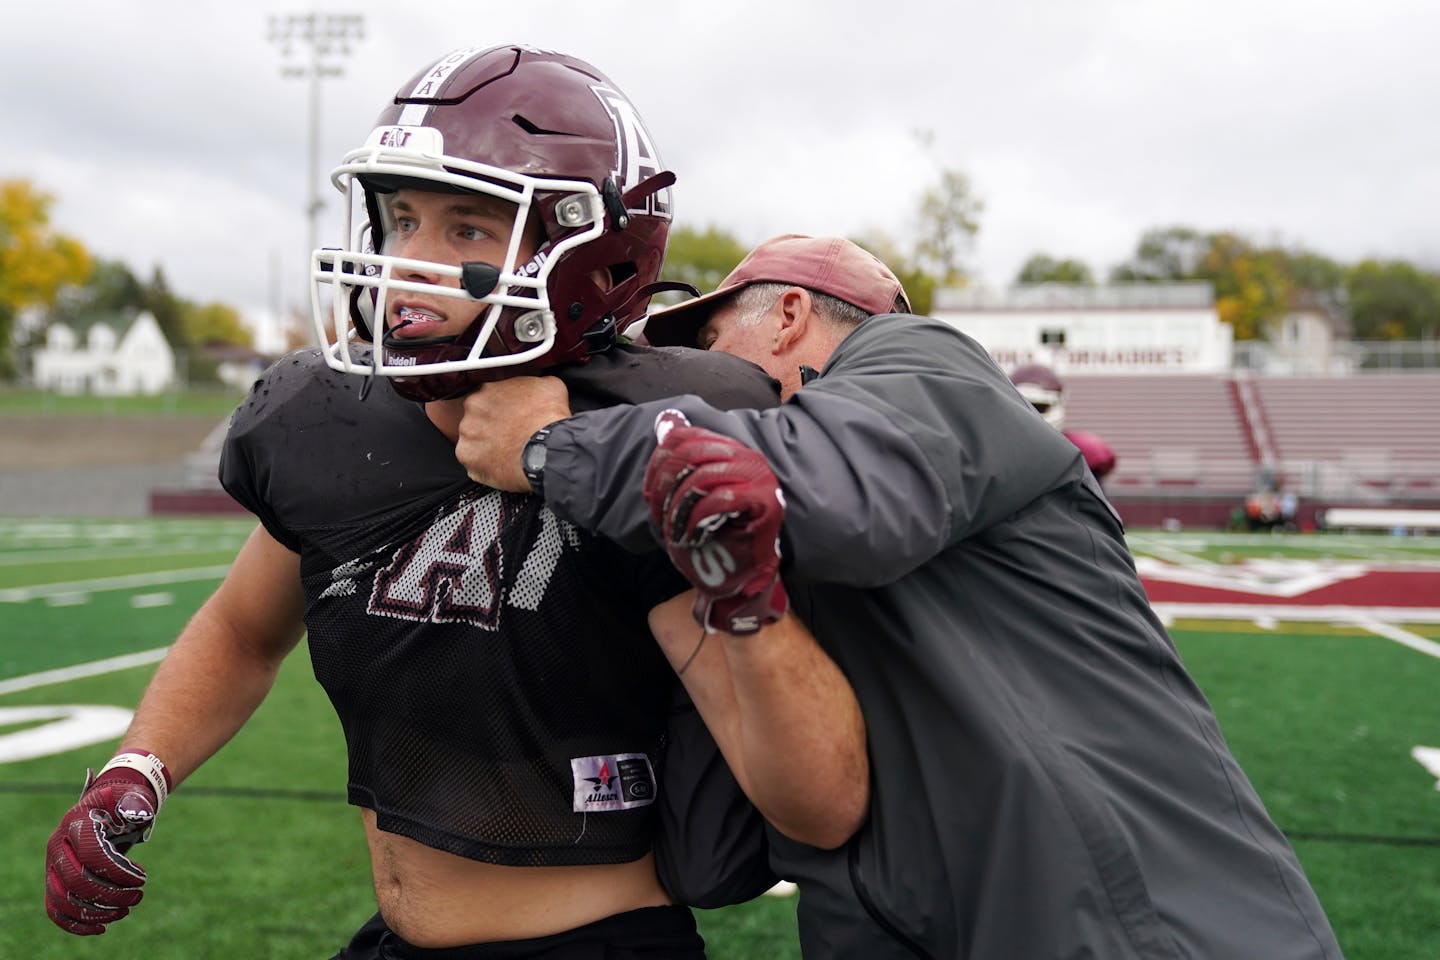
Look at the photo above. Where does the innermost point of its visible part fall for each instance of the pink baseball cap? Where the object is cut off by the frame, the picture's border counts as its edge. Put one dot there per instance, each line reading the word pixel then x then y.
pixel 830 265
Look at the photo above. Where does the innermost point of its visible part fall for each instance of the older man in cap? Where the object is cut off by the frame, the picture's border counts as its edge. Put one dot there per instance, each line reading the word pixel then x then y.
pixel 1047 780
pixel 785 307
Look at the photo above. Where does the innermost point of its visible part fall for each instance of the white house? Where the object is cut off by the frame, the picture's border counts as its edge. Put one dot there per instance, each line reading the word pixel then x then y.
pixel 1075 329
pixel 1310 339
pixel 140 360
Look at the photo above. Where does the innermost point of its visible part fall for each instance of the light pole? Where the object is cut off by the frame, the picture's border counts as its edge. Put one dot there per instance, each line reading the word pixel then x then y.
pixel 328 36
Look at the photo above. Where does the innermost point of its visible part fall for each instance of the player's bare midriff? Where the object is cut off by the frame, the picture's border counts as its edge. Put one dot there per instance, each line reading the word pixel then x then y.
pixel 435 899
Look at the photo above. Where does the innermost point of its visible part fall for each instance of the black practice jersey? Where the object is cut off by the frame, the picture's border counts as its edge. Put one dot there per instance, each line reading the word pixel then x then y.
pixel 501 696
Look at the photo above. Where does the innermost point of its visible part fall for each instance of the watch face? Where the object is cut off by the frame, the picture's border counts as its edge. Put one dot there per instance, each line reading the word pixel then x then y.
pixel 532 458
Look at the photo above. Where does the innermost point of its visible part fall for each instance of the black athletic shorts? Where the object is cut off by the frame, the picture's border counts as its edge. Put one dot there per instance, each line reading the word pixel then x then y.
pixel 650 933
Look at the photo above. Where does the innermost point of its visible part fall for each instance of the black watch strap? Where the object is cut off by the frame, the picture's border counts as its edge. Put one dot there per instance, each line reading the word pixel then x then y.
pixel 532 461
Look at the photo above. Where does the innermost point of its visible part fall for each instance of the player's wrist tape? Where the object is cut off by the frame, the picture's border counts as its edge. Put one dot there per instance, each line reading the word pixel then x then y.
pixel 149 766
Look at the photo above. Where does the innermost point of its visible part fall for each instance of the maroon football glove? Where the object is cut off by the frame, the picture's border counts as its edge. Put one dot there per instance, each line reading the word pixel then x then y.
pixel 718 509
pixel 89 879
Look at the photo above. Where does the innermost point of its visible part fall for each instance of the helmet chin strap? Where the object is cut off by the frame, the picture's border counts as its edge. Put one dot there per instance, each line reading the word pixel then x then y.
pixel 395 343
pixel 659 286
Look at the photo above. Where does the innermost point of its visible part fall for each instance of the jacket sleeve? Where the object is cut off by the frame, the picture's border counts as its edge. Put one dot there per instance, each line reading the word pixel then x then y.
pixel 711 848
pixel 910 440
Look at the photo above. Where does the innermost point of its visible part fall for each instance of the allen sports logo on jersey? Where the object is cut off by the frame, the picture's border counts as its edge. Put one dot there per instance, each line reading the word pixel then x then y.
pixel 619 781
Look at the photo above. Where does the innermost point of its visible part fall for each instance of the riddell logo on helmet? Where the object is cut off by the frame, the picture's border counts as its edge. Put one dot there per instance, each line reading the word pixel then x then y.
pixel 532 267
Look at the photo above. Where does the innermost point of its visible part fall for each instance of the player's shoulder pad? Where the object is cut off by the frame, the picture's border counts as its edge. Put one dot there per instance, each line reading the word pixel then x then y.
pixel 637 373
pixel 289 385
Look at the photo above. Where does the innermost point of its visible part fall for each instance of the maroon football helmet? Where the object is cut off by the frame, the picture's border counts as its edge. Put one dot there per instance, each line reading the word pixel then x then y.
pixel 1044 389
pixel 545 132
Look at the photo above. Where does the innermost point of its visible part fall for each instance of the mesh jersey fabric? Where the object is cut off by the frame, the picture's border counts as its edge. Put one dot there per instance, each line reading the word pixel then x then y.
pixel 492 668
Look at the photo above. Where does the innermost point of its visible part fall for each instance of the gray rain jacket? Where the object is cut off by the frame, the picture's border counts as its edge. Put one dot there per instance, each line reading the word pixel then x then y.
pixel 1048 781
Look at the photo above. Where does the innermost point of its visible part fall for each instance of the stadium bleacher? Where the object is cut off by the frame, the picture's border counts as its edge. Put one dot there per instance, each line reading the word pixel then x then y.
pixel 1170 433
pixel 1366 439
pixel 1370 436
pixel 1190 448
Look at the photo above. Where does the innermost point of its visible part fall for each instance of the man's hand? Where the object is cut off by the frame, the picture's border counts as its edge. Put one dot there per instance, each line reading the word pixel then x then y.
pixel 492 425
pixel 719 510
pixel 89 879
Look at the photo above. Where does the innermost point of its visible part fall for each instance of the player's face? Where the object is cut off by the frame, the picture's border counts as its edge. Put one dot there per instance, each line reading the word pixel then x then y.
pixel 450 229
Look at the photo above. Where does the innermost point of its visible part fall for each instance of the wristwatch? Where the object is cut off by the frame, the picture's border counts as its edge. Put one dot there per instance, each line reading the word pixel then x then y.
pixel 532 461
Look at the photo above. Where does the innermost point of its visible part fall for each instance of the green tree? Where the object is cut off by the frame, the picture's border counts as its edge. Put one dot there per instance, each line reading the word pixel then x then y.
pixel 1043 268
pixel 1393 300
pixel 111 288
pixel 1308 270
pixel 36 263
pixel 169 310
pixel 1164 255
pixel 701 257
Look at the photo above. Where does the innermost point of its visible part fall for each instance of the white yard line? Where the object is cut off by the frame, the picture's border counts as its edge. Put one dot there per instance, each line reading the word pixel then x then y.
pixel 24 594
pixel 1380 621
pixel 1297 612
pixel 73 554
pixel 94 668
pixel 1415 642
pixel 1165 548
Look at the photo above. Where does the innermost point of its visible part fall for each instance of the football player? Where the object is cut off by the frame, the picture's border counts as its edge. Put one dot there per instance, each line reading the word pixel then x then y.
pixel 507 712
pixel 1046 392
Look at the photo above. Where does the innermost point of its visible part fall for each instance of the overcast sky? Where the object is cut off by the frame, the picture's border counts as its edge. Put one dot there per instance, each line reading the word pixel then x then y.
pixel 170 137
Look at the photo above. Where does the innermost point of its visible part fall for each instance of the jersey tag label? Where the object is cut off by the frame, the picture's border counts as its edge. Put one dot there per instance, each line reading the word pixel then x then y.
pixel 619 781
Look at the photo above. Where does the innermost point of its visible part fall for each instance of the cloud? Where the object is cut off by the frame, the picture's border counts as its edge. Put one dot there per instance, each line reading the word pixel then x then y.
pixel 171 137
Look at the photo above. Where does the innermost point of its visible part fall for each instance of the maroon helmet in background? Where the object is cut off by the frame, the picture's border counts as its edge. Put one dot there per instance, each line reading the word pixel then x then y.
pixel 1044 389
pixel 544 131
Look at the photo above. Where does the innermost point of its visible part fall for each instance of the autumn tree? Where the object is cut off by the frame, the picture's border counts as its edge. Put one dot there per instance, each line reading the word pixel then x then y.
pixel 1252 290
pixel 213 324
pixel 947 215
pixel 949 219
pixel 35 262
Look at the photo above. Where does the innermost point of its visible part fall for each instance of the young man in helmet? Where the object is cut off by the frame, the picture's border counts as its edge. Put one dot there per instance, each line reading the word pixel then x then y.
pixel 505 707
pixel 1045 390
pixel 1048 779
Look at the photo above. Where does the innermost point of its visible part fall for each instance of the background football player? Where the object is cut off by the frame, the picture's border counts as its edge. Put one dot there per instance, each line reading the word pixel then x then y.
pixel 1045 390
